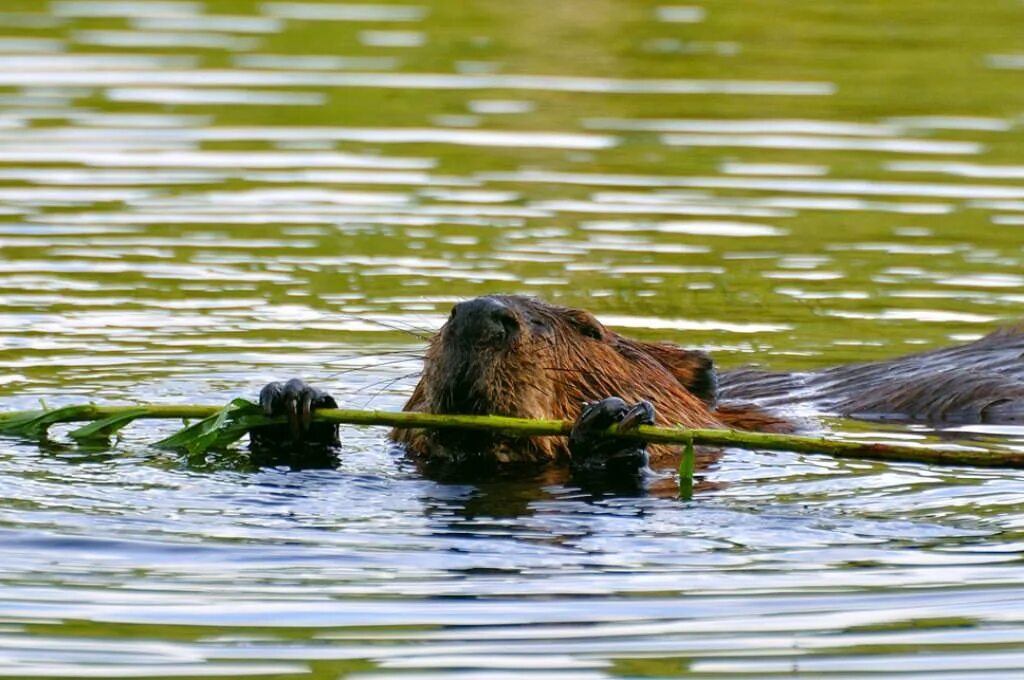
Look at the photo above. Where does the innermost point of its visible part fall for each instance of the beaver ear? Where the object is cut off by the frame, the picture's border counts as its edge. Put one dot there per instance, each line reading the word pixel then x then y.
pixel 694 369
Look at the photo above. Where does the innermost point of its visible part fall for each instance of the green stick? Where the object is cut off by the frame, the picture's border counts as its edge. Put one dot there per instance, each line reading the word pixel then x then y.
pixel 247 416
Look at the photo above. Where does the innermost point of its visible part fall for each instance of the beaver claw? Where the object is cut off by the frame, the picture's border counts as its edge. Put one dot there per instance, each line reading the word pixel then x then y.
pixel 593 452
pixel 300 435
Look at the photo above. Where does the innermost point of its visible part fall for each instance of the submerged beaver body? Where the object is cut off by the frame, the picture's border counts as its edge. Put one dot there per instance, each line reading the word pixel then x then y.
pixel 519 356
pixel 980 382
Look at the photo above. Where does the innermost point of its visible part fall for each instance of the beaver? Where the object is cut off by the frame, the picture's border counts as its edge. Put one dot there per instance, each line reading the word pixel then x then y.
pixel 520 356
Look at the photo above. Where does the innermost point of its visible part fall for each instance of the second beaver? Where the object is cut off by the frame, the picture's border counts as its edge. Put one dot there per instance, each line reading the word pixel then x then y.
pixel 520 356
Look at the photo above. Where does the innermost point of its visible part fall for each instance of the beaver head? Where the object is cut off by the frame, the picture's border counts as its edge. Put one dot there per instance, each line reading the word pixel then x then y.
pixel 518 356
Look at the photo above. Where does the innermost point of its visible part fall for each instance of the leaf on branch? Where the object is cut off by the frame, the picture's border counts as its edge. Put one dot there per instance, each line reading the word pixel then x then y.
pixel 217 431
pixel 36 424
pixel 101 430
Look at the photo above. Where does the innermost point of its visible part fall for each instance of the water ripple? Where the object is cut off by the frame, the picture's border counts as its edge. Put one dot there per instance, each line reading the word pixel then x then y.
pixel 199 198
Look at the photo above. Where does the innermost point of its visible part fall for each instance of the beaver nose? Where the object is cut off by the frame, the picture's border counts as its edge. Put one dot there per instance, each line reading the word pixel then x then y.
pixel 483 318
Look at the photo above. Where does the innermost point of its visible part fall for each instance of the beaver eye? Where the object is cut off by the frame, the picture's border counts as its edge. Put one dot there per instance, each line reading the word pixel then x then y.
pixel 587 325
pixel 590 330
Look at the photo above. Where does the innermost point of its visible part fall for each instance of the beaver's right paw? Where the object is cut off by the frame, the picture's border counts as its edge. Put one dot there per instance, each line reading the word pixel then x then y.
pixel 592 451
pixel 296 401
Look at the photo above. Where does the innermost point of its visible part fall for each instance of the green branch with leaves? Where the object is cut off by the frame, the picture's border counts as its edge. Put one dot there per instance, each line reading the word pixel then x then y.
pixel 219 427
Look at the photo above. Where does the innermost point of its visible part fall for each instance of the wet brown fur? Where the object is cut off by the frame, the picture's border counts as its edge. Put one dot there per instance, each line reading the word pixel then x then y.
pixel 979 382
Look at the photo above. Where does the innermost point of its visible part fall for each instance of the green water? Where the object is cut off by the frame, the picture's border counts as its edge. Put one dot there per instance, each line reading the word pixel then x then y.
pixel 199 197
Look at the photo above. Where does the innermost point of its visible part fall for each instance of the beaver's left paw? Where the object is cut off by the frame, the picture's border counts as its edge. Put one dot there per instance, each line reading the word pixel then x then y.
pixel 593 451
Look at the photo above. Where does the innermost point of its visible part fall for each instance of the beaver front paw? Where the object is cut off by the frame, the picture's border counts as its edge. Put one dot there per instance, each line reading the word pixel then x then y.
pixel 594 452
pixel 300 442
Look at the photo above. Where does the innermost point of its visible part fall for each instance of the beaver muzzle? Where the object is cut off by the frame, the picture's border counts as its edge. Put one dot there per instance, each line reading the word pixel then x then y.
pixel 482 321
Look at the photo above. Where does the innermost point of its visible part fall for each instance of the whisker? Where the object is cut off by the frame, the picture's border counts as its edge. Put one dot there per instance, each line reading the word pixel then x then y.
pixel 353 369
pixel 386 387
pixel 423 334
pixel 403 353
pixel 385 381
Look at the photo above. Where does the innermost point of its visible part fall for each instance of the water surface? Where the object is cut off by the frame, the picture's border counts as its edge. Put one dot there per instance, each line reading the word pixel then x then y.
pixel 198 197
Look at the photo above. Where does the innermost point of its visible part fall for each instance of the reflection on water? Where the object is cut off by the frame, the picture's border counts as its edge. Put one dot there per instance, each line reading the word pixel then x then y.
pixel 198 197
